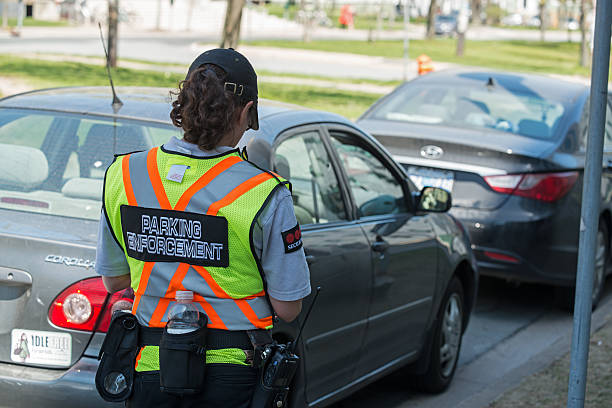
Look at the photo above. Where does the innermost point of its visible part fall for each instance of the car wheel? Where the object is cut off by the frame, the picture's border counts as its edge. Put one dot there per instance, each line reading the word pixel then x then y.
pixel 565 297
pixel 447 336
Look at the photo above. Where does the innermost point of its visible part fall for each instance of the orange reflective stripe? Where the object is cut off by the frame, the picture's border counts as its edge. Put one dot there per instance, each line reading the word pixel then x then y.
pixel 158 187
pixel 214 321
pixel 142 285
pixel 217 290
pixel 138 358
pixel 175 284
pixel 237 192
pixel 250 314
pixel 127 181
pixel 204 180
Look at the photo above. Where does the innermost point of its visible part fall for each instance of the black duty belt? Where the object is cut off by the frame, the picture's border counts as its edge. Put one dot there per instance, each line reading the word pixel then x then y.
pixel 215 338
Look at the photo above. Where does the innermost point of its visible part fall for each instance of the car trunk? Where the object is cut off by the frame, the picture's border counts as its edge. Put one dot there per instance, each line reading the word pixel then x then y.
pixel 467 157
pixel 41 255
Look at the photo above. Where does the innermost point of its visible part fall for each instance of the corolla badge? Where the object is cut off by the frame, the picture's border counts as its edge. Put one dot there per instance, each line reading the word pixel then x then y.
pixel 59 259
pixel 431 152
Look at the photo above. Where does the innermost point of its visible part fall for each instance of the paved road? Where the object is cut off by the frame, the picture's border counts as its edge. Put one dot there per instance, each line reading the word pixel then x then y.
pixel 514 332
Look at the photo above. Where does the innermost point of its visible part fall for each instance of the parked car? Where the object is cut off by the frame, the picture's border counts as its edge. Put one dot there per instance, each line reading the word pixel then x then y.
pixel 514 20
pixel 571 24
pixel 445 24
pixel 399 279
pixel 511 149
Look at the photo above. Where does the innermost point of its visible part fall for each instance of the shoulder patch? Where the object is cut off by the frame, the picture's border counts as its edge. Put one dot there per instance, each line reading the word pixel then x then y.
pixel 292 239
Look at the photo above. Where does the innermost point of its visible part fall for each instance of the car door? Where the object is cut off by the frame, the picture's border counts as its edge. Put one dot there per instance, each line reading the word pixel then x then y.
pixel 338 254
pixel 402 251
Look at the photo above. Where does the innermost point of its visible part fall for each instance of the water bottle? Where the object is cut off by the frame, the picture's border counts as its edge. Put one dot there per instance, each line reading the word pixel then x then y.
pixel 183 316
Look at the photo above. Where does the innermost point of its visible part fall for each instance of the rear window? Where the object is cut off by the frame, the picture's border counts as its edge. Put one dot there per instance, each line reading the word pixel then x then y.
pixel 525 114
pixel 54 163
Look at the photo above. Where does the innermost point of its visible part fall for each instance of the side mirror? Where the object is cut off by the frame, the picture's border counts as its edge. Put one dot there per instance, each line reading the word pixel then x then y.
pixel 434 199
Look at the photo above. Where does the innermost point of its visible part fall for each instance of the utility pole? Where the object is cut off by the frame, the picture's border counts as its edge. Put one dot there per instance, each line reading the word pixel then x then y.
pixel 589 216
pixel 113 25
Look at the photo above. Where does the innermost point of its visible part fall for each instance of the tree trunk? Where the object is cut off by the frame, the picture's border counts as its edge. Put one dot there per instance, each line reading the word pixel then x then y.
pixel 585 53
pixel 543 20
pixel 159 14
pixel 476 10
pixel 192 4
pixel 113 24
pixel 231 28
pixel 431 14
pixel 5 14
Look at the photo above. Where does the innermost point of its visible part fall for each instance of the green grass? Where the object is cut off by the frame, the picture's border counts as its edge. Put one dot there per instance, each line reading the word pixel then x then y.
pixel 30 22
pixel 50 74
pixel 530 56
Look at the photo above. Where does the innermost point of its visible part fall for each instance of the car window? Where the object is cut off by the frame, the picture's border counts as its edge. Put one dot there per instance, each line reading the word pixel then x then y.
pixel 375 189
pixel 521 113
pixel 54 163
pixel 303 160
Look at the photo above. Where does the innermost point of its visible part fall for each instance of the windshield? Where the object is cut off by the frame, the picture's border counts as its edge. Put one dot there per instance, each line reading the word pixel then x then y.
pixel 54 163
pixel 471 107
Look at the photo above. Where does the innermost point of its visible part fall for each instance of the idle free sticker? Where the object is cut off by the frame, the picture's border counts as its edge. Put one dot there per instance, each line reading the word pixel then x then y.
pixel 41 347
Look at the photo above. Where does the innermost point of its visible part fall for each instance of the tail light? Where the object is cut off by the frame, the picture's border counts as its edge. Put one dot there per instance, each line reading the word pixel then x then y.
pixel 547 187
pixel 80 305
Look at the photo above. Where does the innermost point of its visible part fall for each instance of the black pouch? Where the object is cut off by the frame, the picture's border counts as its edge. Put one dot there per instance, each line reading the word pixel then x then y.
pixel 115 375
pixel 182 360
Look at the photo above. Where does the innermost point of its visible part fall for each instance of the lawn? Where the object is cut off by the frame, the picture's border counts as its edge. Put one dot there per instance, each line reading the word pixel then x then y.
pixel 30 22
pixel 527 56
pixel 51 73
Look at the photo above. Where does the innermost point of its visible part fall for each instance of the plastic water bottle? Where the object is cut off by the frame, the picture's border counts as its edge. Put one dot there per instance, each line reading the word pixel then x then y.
pixel 183 316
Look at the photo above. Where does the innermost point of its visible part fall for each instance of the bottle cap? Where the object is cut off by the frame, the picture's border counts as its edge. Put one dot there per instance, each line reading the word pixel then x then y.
pixel 184 295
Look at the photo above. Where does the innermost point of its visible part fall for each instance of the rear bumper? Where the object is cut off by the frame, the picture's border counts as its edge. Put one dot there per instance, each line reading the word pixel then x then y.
pixel 527 245
pixel 22 386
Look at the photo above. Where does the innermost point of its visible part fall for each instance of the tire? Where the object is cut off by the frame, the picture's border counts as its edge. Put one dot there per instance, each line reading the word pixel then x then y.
pixel 564 296
pixel 446 345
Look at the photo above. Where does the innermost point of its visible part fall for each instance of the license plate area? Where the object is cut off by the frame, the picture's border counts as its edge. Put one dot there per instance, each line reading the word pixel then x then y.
pixel 428 177
pixel 41 347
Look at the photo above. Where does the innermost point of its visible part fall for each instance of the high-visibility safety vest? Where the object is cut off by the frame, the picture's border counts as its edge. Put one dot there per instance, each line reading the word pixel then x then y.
pixel 186 223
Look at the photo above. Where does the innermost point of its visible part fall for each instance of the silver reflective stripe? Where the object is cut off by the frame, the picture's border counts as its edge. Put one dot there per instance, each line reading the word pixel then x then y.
pixel 141 182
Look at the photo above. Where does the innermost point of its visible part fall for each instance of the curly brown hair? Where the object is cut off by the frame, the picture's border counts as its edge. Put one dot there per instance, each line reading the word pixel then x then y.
pixel 204 109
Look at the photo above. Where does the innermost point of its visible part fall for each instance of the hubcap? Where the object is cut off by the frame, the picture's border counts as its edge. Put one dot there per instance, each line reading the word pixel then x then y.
pixel 600 263
pixel 450 335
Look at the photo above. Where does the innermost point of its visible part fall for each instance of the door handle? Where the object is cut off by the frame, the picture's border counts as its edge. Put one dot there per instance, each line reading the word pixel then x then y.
pixel 380 246
pixel 310 259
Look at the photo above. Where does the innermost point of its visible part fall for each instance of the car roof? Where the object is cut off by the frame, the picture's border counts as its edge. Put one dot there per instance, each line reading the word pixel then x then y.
pixel 538 85
pixel 153 104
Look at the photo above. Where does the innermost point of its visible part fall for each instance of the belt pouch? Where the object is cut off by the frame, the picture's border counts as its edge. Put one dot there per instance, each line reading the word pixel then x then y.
pixel 115 374
pixel 182 361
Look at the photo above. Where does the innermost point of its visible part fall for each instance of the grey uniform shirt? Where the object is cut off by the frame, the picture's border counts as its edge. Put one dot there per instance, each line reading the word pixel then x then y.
pixel 287 274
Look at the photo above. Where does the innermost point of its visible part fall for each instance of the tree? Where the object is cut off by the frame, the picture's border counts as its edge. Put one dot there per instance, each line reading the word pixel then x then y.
pixel 431 14
pixel 113 23
pixel 476 11
pixel 585 50
pixel 231 28
pixel 543 20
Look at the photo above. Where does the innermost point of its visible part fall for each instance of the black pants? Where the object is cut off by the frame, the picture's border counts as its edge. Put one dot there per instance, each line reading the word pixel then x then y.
pixel 226 386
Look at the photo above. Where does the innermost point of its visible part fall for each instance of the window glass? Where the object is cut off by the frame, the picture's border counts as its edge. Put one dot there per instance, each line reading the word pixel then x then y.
pixel 303 160
pixel 521 113
pixel 54 163
pixel 375 190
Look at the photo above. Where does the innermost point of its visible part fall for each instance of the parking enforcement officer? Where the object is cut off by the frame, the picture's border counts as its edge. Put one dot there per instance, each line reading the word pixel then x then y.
pixel 194 215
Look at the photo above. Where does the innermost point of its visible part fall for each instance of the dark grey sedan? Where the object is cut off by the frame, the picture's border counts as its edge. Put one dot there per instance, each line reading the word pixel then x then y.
pixel 398 275
pixel 511 149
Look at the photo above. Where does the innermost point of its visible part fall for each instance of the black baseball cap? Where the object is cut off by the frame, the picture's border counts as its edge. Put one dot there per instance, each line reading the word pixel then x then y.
pixel 241 77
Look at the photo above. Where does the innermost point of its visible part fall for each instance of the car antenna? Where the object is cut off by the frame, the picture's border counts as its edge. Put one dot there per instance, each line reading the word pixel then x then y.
pixel 117 104
pixel 297 338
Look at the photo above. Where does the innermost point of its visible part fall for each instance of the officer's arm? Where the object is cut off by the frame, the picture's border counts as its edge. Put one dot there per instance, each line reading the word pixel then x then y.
pixel 287 311
pixel 116 283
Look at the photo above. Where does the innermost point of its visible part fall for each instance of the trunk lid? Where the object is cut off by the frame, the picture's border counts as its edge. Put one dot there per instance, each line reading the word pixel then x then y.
pixel 41 255
pixel 459 159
